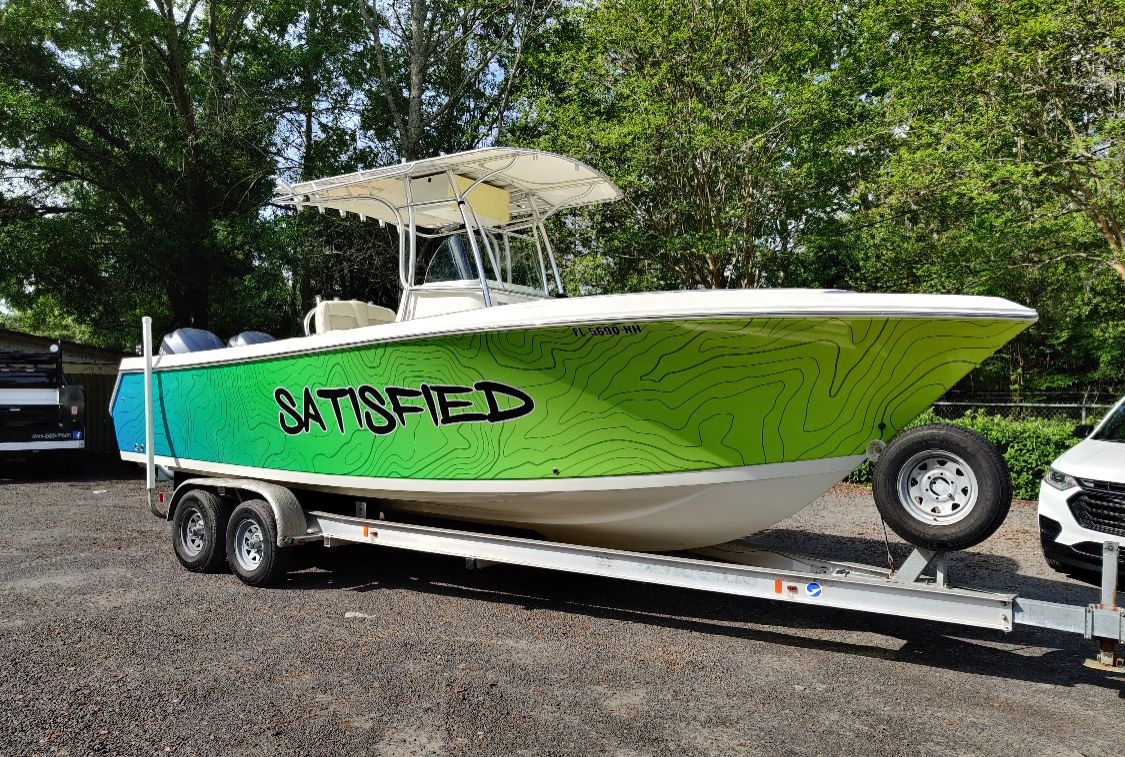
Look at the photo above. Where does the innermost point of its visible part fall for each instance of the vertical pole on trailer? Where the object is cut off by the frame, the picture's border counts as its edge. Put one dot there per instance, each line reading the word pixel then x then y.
pixel 150 453
pixel 1107 648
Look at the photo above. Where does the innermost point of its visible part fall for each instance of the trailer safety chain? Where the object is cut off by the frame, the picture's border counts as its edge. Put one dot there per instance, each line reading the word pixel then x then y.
pixel 887 546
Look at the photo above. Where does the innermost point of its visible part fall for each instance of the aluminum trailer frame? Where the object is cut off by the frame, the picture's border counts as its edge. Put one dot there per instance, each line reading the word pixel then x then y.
pixel 743 570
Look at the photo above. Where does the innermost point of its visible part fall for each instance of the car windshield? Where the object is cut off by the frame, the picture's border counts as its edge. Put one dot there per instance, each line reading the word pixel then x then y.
pixel 1113 430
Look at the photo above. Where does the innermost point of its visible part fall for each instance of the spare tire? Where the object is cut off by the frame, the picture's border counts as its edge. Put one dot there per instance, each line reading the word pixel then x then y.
pixel 942 487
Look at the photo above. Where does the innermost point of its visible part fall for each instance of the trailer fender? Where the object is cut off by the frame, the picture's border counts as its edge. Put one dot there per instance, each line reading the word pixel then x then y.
pixel 287 510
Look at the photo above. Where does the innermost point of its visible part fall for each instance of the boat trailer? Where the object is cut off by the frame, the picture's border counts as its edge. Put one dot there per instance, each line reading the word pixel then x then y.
pixel 920 588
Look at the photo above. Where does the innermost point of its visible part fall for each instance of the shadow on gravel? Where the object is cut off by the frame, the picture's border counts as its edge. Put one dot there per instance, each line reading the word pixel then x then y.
pixel 1049 657
pixel 66 466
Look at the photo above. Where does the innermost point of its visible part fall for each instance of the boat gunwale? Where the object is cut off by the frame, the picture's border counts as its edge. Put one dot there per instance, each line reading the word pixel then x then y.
pixel 362 337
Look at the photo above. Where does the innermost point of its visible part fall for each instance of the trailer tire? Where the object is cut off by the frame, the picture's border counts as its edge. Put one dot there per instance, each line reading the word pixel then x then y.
pixel 942 487
pixel 251 541
pixel 199 528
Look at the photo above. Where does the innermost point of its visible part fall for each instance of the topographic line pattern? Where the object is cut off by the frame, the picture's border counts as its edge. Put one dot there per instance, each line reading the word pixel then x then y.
pixel 678 396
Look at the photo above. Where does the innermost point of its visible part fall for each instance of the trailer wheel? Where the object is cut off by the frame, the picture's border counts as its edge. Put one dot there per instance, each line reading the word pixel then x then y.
pixel 942 487
pixel 199 531
pixel 252 549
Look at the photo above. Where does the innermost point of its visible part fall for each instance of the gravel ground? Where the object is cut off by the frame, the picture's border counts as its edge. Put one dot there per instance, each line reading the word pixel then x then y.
pixel 108 646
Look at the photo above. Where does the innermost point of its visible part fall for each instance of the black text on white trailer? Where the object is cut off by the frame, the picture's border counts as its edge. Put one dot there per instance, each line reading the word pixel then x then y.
pixel 265 521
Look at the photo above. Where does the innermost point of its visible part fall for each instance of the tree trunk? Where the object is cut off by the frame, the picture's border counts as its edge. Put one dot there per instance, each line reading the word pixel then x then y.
pixel 189 301
pixel 418 61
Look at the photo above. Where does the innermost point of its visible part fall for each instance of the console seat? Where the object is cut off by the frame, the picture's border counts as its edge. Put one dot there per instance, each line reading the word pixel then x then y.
pixel 340 315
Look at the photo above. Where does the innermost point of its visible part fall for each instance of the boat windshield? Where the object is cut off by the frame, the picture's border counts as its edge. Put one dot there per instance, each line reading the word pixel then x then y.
pixel 518 255
pixel 522 262
pixel 450 261
pixel 1113 429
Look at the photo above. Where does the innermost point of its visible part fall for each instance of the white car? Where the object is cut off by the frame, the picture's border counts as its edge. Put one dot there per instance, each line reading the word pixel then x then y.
pixel 1082 497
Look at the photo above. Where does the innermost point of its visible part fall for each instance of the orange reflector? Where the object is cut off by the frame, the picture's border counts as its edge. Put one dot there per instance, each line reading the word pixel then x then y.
pixel 777 586
pixel 365 530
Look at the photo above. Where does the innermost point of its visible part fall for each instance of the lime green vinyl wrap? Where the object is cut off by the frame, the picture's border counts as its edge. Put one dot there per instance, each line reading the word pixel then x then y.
pixel 653 397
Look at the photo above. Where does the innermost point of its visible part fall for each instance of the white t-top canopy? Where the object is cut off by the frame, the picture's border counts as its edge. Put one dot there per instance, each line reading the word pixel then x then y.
pixel 527 182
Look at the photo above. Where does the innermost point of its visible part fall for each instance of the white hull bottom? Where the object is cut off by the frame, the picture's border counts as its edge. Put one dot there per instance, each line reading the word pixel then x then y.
pixel 656 512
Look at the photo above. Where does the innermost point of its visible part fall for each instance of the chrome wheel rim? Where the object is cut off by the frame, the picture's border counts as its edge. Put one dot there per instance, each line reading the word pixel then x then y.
pixel 249 545
pixel 937 488
pixel 193 532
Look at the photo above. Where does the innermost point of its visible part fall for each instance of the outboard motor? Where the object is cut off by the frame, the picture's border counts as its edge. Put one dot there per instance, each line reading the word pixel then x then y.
pixel 249 337
pixel 181 341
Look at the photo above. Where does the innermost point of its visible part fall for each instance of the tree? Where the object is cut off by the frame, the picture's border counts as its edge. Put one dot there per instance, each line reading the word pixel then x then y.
pixel 136 151
pixel 726 123
pixel 446 69
pixel 420 77
pixel 1001 170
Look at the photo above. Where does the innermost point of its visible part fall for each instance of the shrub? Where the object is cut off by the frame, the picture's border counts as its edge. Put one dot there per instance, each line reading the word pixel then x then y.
pixel 1028 445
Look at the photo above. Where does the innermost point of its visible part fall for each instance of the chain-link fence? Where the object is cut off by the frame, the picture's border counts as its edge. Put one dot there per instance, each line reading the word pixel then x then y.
pixel 1076 408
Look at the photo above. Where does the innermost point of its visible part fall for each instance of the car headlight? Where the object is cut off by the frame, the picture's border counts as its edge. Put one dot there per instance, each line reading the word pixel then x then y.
pixel 1059 480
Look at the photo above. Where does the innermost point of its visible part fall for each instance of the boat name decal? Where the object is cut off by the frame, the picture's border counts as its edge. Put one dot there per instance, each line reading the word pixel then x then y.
pixel 383 412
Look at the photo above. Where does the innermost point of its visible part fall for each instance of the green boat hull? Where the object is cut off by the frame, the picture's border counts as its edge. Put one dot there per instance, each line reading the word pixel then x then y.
pixel 562 402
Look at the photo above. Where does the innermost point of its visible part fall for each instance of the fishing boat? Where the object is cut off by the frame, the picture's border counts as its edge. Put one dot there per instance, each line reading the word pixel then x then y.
pixel 649 421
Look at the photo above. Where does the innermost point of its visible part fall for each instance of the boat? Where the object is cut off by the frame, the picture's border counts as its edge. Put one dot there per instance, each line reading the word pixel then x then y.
pixel 649 421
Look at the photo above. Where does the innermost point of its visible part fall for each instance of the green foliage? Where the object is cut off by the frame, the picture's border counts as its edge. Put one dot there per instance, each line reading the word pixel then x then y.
pixel 140 136
pixel 926 146
pixel 48 318
pixel 1029 446
pixel 139 143
pixel 1003 172
pixel 727 123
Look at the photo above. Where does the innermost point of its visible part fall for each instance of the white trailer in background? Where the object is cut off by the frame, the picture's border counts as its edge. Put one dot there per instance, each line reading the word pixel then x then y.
pixel 253 526
pixel 39 410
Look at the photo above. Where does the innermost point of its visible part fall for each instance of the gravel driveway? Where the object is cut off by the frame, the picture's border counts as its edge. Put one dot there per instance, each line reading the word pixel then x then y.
pixel 108 646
